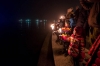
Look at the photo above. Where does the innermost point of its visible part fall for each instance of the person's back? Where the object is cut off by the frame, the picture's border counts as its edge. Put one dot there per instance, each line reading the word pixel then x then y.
pixel 72 22
pixel 94 7
pixel 93 19
pixel 83 16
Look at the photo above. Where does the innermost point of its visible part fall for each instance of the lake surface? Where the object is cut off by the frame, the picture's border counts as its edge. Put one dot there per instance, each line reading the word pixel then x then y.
pixel 21 42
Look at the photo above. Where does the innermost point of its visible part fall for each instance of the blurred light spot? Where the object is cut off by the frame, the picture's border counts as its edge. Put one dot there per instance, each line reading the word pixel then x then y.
pixel 37 20
pixel 40 20
pixel 21 20
pixel 27 20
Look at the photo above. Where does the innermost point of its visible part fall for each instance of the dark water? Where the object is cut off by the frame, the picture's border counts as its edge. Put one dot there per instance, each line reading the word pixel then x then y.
pixel 20 43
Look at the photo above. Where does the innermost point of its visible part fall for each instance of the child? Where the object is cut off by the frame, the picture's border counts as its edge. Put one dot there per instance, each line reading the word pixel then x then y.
pixel 76 47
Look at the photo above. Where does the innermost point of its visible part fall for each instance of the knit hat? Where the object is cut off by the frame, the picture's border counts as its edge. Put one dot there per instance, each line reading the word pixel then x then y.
pixel 78 30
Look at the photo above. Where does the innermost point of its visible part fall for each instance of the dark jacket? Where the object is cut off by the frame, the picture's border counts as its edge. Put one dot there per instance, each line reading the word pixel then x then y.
pixel 76 14
pixel 94 7
pixel 82 19
pixel 85 4
pixel 94 16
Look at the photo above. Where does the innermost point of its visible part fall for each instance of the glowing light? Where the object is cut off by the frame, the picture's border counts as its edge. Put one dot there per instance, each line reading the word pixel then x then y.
pixel 27 20
pixel 60 30
pixel 62 17
pixel 40 20
pixel 37 20
pixel 52 26
pixel 37 23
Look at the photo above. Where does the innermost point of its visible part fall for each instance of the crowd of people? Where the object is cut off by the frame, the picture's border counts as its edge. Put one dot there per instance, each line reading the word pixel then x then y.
pixel 80 30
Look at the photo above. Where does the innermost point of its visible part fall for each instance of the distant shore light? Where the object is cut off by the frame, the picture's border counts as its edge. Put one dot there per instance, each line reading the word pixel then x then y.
pixel 20 20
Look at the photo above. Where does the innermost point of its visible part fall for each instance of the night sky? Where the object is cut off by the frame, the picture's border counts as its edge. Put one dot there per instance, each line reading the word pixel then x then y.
pixel 36 9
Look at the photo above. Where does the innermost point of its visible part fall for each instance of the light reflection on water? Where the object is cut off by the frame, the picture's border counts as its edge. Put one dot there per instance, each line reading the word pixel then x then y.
pixel 26 27
pixel 25 24
pixel 30 24
pixel 21 23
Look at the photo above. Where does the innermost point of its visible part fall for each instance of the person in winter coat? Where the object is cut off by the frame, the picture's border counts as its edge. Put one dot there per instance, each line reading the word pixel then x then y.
pixel 57 27
pixel 72 21
pixel 69 12
pixel 82 19
pixel 93 19
pixel 82 22
pixel 76 47
pixel 76 14
pixel 70 18
pixel 62 23
pixel 95 54
pixel 94 31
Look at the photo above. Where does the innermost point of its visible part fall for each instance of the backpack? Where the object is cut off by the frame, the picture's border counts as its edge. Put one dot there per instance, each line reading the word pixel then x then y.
pixel 94 16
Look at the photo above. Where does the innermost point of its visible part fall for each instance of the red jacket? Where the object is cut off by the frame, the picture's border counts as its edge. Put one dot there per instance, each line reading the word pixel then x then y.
pixel 76 47
pixel 95 54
